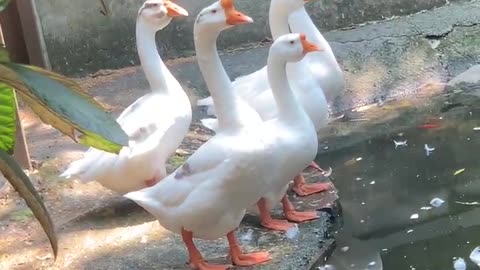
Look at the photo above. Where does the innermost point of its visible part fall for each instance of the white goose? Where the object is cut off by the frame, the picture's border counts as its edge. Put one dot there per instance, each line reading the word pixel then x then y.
pixel 324 66
pixel 255 89
pixel 155 123
pixel 292 134
pixel 207 196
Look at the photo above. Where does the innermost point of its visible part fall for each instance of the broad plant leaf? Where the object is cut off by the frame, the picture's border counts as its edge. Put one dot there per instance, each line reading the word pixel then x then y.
pixel 4 56
pixel 20 181
pixel 60 102
pixel 3 4
pixel 7 118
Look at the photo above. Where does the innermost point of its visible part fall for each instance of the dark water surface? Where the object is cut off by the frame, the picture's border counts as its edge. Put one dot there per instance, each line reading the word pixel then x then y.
pixel 382 190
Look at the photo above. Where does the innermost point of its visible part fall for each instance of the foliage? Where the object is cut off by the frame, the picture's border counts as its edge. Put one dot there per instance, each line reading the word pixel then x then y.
pixel 3 4
pixel 7 118
pixel 20 181
pixel 60 102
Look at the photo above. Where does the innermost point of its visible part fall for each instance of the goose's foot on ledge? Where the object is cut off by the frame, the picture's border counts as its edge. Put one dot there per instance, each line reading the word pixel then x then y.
pixel 245 259
pixel 296 216
pixel 196 260
pixel 324 172
pixel 277 224
pixel 301 188
pixel 268 222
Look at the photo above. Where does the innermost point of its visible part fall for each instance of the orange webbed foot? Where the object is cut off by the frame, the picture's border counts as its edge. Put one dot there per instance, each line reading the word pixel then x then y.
pixel 296 216
pixel 245 259
pixel 277 224
pixel 249 259
pixel 305 189
pixel 299 217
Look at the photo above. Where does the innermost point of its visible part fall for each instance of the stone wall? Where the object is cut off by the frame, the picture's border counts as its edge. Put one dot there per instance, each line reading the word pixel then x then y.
pixel 80 40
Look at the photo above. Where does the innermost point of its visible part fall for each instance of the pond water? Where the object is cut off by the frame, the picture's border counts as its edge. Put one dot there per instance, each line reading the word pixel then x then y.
pixel 385 194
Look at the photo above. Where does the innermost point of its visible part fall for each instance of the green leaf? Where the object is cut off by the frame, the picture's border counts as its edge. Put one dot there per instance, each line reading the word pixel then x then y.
pixel 60 102
pixel 3 4
pixel 7 118
pixel 20 181
pixel 4 57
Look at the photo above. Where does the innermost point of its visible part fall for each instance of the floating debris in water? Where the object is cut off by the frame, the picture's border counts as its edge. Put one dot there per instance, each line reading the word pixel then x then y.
pixel 468 203
pixel 409 231
pixel 293 232
pixel 400 143
pixel 372 183
pixel 476 128
pixel 358 179
pixel 457 172
pixel 327 267
pixel 359 159
pixel 362 221
pixel 414 216
pixel 475 256
pixel 372 264
pixel 459 264
pixel 345 249
pixel 426 208
pixel 436 202
pixel 400 134
pixel 352 161
pixel 429 149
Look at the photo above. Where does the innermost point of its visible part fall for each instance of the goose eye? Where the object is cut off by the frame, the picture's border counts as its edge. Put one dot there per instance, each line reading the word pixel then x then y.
pixel 292 42
pixel 214 11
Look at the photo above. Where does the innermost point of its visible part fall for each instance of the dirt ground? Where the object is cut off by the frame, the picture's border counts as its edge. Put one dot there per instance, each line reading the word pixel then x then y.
pixel 92 222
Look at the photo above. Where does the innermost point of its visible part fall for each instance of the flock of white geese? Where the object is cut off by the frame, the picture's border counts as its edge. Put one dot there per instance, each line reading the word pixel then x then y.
pixel 265 129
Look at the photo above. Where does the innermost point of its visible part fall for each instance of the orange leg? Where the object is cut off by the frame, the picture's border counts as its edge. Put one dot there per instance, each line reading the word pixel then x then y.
pixel 268 222
pixel 151 182
pixel 301 188
pixel 241 259
pixel 196 260
pixel 296 216
pixel 326 173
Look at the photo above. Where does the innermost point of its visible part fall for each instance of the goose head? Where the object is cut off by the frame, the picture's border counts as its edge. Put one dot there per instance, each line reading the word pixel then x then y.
pixel 292 47
pixel 219 16
pixel 157 14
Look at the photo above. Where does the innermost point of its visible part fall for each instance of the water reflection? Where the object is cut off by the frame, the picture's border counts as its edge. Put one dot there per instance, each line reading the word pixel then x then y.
pixel 388 219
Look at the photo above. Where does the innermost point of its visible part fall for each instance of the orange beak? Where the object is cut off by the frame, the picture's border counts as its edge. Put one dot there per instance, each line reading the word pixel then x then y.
pixel 234 17
pixel 174 10
pixel 307 45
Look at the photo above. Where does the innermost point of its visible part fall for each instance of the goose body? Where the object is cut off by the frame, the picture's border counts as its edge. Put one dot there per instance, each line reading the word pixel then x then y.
pixel 208 195
pixel 255 90
pixel 155 123
pixel 292 135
